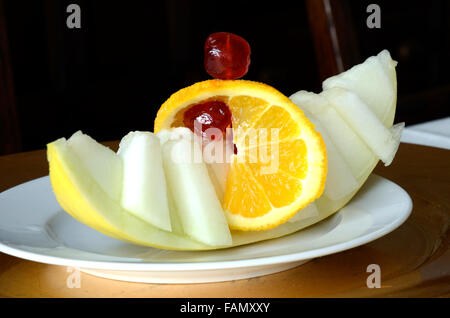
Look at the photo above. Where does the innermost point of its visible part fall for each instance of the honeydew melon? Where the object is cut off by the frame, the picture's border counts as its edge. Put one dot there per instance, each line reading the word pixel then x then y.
pixel 374 82
pixel 101 163
pixel 382 141
pixel 340 179
pixel 144 191
pixel 193 192
pixel 354 113
pixel 345 145
pixel 83 197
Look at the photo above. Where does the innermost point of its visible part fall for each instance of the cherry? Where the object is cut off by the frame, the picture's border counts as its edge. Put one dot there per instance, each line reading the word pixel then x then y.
pixel 227 56
pixel 210 114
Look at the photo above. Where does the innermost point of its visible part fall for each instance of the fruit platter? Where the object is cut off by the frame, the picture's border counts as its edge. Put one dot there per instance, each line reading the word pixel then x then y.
pixel 231 161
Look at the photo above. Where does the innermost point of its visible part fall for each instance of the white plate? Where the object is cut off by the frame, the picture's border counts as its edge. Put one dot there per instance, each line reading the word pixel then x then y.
pixel 33 226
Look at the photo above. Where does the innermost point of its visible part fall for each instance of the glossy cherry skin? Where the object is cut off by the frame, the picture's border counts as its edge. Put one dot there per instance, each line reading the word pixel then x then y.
pixel 227 56
pixel 210 114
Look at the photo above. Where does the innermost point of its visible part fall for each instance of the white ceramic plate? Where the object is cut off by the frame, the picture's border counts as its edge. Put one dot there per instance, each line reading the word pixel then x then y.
pixel 33 226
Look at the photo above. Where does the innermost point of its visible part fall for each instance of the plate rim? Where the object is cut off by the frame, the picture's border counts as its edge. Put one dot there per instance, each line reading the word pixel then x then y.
pixel 213 265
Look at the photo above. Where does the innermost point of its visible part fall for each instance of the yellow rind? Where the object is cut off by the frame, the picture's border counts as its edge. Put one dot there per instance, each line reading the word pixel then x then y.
pixel 80 196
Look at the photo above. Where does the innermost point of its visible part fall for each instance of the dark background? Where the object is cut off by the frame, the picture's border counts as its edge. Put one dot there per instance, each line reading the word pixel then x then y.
pixel 111 76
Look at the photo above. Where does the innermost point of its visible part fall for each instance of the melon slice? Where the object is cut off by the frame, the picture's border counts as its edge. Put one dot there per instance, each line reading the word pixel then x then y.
pixel 364 122
pixel 345 141
pixel 106 169
pixel 354 113
pixel 144 192
pixel 82 196
pixel 374 82
pixel 194 195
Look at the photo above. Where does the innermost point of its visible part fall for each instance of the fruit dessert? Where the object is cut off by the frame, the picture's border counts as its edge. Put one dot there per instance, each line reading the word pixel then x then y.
pixel 232 161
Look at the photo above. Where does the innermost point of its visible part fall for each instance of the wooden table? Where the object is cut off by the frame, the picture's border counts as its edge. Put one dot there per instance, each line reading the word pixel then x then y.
pixel 414 259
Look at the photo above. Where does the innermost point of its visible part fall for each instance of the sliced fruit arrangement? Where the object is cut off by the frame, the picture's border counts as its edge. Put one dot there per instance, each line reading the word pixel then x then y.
pixel 259 194
pixel 287 163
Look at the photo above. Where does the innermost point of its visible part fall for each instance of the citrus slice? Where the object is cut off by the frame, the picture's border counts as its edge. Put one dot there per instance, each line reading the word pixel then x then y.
pixel 280 162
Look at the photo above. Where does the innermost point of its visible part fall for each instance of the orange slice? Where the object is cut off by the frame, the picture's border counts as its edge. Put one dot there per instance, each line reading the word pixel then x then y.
pixel 280 166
